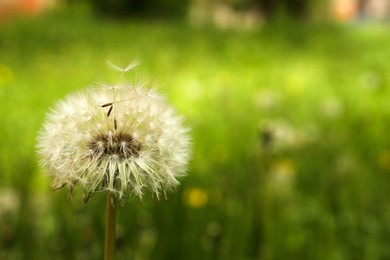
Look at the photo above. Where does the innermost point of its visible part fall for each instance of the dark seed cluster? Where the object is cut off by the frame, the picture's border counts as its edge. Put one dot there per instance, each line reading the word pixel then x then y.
pixel 121 144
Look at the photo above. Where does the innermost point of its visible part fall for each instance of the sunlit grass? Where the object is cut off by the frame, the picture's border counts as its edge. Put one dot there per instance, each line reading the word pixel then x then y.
pixel 317 189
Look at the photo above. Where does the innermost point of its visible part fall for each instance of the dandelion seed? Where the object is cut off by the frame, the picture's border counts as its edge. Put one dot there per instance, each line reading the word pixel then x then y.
pixel 125 69
pixel 139 144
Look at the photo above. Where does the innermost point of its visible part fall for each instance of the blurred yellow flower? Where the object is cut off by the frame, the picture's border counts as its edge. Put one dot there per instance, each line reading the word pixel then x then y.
pixel 195 197
pixel 283 170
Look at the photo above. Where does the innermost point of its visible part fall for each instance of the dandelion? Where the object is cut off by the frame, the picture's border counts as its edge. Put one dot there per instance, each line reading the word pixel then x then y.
pixel 122 139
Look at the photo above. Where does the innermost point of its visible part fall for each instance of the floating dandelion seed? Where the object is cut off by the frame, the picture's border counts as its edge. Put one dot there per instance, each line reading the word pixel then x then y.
pixel 122 139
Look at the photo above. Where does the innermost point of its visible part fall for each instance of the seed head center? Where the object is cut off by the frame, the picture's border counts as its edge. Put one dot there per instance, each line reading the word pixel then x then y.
pixel 122 145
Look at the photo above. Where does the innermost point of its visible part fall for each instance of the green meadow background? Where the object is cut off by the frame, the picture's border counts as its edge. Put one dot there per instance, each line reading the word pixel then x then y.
pixel 290 126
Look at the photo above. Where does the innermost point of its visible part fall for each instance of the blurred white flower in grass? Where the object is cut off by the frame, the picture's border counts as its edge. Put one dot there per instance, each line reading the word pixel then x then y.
pixel 9 202
pixel 372 80
pixel 281 134
pixel 266 99
pixel 123 139
pixel 332 108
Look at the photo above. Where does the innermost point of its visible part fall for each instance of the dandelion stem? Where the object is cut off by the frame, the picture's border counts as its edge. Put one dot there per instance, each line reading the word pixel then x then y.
pixel 109 244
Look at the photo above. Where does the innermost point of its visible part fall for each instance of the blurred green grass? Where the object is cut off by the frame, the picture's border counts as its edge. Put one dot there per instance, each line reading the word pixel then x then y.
pixel 290 128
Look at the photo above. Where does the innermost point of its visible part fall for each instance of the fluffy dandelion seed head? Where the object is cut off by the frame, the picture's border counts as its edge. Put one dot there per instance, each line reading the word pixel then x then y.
pixel 123 139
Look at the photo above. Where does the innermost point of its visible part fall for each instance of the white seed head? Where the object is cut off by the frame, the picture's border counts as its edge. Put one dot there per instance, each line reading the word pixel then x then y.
pixel 122 139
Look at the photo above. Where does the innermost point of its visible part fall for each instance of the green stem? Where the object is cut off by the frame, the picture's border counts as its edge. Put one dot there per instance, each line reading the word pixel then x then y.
pixel 109 244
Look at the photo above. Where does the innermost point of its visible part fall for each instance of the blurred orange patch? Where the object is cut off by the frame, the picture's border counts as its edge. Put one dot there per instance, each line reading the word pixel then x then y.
pixel 11 8
pixel 344 10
